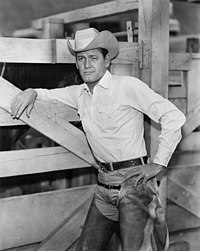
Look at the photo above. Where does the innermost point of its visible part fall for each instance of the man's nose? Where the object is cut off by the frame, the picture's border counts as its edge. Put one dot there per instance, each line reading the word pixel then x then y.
pixel 87 63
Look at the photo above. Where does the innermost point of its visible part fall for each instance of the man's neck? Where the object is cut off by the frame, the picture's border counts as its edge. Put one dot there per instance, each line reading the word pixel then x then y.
pixel 91 86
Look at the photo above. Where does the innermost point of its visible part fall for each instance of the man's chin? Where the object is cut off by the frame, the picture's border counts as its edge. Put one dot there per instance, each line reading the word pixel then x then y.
pixel 88 80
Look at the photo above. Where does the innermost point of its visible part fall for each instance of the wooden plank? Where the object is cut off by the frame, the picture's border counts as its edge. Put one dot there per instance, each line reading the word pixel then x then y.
pixel 66 112
pixel 190 143
pixel 179 195
pixel 61 52
pixel 186 158
pixel 91 12
pixel 181 90
pixel 29 218
pixel 193 80
pixel 180 61
pixel 174 213
pixel 41 160
pixel 179 246
pixel 192 120
pixel 180 103
pixel 54 127
pixel 30 247
pixel 21 50
pixel 7 120
pixel 195 55
pixel 129 31
pixel 67 232
pixel 128 53
pixel 53 28
pixel 154 43
pixel 26 50
pixel 187 177
pixel 175 78
pixel 178 92
pixel 191 236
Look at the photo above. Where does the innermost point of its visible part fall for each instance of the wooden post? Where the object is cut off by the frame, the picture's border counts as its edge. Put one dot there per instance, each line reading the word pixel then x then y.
pixel 129 31
pixel 154 61
pixel 53 28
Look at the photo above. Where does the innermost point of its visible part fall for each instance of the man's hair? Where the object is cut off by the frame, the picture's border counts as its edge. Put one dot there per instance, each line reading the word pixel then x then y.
pixel 103 51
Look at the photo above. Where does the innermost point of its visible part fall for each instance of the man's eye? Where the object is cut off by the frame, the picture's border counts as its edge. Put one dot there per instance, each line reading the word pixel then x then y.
pixel 80 58
pixel 94 58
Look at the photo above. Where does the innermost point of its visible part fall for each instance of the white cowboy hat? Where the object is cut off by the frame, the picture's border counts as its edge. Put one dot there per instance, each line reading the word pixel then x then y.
pixel 91 38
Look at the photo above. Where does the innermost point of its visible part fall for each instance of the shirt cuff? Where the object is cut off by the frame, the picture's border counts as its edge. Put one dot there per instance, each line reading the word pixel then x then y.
pixel 39 93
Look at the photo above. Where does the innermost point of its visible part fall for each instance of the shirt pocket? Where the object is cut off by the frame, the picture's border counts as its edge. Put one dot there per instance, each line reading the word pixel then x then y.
pixel 106 117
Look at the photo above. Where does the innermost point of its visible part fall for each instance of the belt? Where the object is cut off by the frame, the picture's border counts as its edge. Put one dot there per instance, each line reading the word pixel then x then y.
pixel 123 164
pixel 108 186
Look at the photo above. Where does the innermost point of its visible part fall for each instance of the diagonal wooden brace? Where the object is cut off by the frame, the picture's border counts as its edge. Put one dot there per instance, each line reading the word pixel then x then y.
pixel 49 123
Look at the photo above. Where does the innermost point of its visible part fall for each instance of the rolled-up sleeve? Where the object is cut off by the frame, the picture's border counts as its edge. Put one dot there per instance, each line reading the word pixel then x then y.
pixel 161 111
pixel 67 95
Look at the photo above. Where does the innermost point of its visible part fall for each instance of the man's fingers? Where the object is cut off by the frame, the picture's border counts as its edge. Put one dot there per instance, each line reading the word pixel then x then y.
pixel 137 180
pixel 144 182
pixel 20 111
pixel 16 109
pixel 17 105
pixel 28 110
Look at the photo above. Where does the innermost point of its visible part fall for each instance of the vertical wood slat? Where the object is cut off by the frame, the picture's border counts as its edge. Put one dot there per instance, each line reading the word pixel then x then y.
pixel 129 31
pixel 154 44
pixel 52 28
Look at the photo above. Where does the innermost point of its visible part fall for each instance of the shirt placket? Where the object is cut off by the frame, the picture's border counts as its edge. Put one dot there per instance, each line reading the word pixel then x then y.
pixel 92 116
pixel 88 106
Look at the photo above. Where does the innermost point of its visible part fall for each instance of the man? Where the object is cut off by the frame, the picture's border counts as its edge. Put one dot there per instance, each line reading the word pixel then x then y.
pixel 111 109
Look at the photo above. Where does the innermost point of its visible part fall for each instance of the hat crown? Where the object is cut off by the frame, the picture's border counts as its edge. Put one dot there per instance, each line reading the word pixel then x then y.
pixel 90 39
pixel 84 37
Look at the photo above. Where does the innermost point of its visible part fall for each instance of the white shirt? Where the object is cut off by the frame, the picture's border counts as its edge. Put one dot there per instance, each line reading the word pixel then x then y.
pixel 112 117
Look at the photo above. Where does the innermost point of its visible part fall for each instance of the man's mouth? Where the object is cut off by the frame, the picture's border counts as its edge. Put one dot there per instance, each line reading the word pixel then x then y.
pixel 88 72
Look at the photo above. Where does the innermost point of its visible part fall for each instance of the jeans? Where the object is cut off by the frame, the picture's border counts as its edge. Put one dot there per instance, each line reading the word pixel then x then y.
pixel 135 215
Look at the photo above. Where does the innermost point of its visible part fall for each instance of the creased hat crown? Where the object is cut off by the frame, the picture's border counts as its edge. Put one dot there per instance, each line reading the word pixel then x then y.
pixel 84 37
pixel 91 38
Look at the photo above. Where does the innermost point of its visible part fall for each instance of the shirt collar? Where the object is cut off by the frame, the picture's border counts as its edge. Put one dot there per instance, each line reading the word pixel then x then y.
pixel 105 80
pixel 104 83
pixel 83 88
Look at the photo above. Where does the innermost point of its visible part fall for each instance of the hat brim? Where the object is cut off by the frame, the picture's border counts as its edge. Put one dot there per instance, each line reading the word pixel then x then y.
pixel 105 40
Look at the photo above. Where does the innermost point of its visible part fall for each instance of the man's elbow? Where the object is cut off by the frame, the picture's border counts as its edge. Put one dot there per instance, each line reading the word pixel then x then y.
pixel 182 118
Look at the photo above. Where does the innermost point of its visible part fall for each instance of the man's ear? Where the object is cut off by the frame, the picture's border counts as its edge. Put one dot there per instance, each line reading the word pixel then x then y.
pixel 76 65
pixel 107 60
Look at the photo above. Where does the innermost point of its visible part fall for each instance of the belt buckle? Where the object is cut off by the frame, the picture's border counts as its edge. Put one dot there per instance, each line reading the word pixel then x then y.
pixel 110 186
pixel 103 168
pixel 111 166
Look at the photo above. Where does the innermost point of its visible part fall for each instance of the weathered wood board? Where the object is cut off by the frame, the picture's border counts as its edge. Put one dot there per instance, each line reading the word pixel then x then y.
pixel 32 161
pixel 51 125
pixel 31 218
pixel 88 13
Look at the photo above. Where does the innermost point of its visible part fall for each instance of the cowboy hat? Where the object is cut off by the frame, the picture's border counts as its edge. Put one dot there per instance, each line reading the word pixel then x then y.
pixel 91 38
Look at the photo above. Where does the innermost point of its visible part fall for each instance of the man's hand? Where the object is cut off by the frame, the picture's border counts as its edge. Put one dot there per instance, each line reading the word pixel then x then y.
pixel 23 100
pixel 145 173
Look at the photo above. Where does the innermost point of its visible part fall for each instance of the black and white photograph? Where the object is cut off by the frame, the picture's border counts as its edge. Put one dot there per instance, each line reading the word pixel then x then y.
pixel 99 125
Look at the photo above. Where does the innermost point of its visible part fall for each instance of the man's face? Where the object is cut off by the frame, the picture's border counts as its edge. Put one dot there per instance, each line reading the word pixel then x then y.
pixel 92 65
